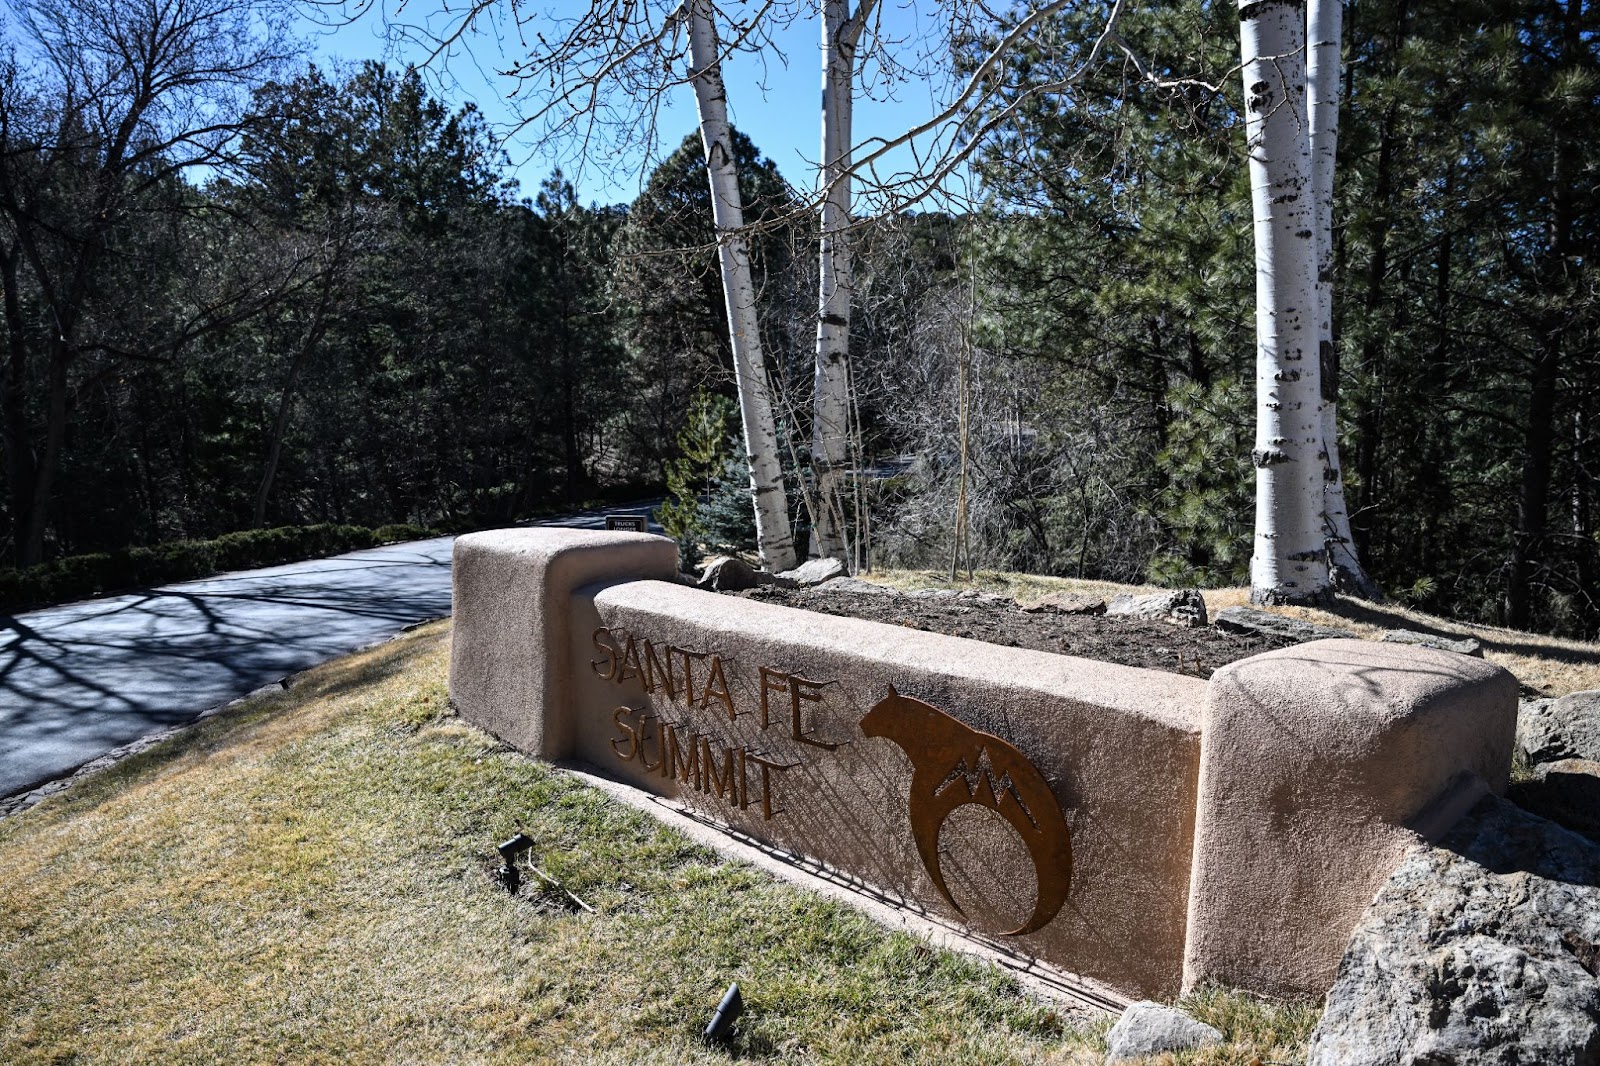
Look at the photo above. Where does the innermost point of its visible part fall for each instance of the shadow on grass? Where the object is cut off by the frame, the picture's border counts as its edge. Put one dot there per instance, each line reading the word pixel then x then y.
pixel 1493 639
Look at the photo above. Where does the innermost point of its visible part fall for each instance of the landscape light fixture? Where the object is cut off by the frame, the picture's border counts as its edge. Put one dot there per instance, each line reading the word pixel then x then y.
pixel 721 1025
pixel 509 851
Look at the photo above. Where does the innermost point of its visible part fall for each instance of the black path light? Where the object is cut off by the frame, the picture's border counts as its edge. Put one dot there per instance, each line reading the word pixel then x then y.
pixel 511 877
pixel 507 874
pixel 721 1025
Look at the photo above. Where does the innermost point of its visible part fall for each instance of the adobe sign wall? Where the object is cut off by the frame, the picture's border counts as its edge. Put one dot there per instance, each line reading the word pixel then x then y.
pixel 1143 829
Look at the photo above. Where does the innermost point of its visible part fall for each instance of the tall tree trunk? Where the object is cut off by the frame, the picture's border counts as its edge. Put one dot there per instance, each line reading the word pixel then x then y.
pixel 774 539
pixel 1290 561
pixel 1533 503
pixel 58 396
pixel 280 425
pixel 15 435
pixel 1324 31
pixel 830 424
pixel 572 458
pixel 1369 424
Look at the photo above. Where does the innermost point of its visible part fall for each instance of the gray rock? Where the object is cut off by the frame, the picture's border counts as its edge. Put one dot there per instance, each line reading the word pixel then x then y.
pixel 934 594
pixel 816 571
pixel 1250 620
pixel 1484 949
pixel 1464 646
pixel 1565 728
pixel 991 598
pixel 1184 607
pixel 855 584
pixel 1536 728
pixel 1147 1028
pixel 1566 792
pixel 726 573
pixel 1067 603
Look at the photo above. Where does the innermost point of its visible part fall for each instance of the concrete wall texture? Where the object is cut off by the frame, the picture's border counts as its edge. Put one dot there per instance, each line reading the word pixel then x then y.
pixel 1146 830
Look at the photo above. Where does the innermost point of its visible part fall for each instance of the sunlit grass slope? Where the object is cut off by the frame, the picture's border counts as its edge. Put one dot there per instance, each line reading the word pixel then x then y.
pixel 309 879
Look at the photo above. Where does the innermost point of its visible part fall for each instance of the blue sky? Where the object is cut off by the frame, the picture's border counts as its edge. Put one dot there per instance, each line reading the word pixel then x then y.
pixel 776 102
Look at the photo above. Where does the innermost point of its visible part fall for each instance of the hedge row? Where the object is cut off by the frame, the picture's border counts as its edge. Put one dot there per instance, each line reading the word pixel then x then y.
pixel 78 577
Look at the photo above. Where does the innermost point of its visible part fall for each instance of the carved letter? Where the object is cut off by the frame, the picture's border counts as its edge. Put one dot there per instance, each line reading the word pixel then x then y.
pixel 717 687
pixel 688 672
pixel 664 741
pixel 686 770
pixel 630 659
pixel 628 735
pixel 603 645
pixel 724 782
pixel 768 675
pixel 661 750
pixel 655 674
pixel 766 783
pixel 797 692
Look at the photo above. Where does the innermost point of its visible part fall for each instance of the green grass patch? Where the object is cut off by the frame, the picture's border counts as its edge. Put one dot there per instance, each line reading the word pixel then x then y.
pixel 310 879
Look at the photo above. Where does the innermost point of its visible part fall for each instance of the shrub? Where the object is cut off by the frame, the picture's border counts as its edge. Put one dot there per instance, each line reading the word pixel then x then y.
pixel 398 532
pixel 80 576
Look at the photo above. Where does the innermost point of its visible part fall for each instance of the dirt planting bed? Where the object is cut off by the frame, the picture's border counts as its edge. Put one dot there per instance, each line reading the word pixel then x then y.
pixel 997 620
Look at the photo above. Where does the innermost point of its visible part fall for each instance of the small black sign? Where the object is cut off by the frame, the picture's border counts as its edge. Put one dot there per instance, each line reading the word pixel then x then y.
pixel 628 523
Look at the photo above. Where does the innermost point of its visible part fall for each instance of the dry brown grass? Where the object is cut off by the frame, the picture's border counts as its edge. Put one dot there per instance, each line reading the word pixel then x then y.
pixel 309 880
pixel 1548 666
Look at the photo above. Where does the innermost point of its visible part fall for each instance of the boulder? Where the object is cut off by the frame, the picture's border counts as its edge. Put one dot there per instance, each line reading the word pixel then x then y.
pixel 726 573
pixel 1265 623
pixel 1464 646
pixel 1566 791
pixel 1067 603
pixel 1565 728
pixel 815 572
pixel 1482 949
pixel 1147 1028
pixel 1184 607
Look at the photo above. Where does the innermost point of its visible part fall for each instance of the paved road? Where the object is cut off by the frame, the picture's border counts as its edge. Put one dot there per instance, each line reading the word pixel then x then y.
pixel 79 680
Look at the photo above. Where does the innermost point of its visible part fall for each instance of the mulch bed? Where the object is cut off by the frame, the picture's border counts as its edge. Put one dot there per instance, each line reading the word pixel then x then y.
pixel 1107 638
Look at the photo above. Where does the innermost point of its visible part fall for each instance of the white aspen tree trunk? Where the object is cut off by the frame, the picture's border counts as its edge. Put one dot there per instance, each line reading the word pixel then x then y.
pixel 830 423
pixel 1324 31
pixel 774 539
pixel 1289 564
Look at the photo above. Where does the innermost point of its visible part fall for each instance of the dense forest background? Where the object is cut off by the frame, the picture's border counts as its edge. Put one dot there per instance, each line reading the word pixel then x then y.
pixel 340 311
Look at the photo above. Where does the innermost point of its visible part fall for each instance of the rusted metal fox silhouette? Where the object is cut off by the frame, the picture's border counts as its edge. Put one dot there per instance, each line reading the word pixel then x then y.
pixel 954 765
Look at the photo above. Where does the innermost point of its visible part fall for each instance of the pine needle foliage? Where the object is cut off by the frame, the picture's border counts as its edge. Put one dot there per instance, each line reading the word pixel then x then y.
pixel 703 459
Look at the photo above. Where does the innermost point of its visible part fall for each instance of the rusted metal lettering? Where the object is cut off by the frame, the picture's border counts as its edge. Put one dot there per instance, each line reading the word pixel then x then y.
pixel 721 783
pixel 628 734
pixel 767 766
pixel 799 690
pixel 716 688
pixel 953 765
pixel 630 660
pixel 657 674
pixel 680 768
pixel 601 638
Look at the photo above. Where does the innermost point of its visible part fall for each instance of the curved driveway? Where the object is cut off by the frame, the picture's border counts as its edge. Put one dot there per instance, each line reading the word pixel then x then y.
pixel 78 680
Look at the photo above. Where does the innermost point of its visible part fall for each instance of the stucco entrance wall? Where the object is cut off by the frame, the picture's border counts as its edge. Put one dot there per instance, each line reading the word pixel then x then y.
pixel 846 740
pixel 1147 830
